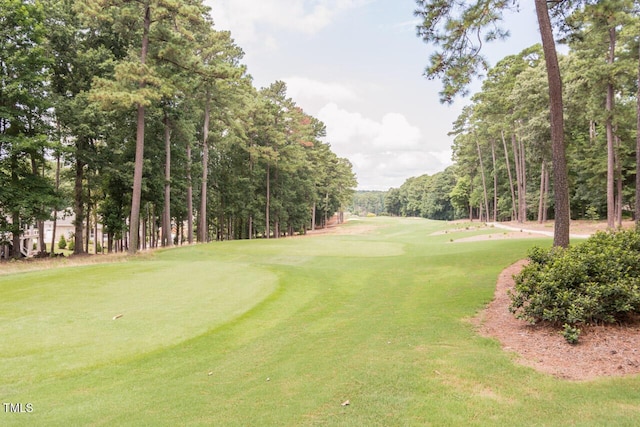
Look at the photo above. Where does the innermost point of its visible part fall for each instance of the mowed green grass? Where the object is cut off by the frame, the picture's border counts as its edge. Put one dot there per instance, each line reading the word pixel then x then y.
pixel 282 332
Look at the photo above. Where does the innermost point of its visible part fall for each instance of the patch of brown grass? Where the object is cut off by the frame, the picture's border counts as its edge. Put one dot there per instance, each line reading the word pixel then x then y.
pixel 37 264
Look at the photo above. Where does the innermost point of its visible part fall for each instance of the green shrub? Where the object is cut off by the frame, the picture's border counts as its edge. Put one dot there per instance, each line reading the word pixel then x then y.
pixel 72 244
pixel 570 333
pixel 596 281
pixel 62 243
pixel 592 213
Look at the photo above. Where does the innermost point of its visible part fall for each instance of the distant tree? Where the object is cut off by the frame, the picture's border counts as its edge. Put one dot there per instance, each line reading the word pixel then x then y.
pixel 219 65
pixel 637 207
pixel 26 194
pixel 427 196
pixel 137 82
pixel 365 202
pixel 459 29
pixel 393 202
pixel 460 197
pixel 595 38
pixel 62 243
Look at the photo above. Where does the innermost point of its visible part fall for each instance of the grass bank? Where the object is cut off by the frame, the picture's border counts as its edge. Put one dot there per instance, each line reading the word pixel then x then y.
pixel 282 332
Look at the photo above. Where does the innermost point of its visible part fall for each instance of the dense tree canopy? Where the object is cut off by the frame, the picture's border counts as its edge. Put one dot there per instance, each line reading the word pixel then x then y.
pixel 139 116
pixel 152 124
pixel 509 141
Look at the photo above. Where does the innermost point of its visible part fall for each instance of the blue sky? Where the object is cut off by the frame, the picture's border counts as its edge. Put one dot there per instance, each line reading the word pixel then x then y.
pixel 357 66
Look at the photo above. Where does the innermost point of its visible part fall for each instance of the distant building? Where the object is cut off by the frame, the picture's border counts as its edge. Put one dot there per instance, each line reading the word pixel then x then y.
pixel 29 237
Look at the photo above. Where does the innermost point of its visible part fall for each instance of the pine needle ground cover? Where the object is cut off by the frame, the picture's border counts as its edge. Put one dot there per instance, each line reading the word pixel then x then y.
pixel 349 330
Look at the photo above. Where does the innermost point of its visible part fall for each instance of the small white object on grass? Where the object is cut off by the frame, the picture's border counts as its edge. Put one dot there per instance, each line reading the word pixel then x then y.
pixel 117 316
pixel 346 403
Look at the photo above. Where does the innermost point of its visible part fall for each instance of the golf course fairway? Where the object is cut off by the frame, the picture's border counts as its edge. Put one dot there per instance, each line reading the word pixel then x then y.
pixel 367 326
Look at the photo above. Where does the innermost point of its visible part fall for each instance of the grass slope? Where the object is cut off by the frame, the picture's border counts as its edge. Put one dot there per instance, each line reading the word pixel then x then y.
pixel 281 332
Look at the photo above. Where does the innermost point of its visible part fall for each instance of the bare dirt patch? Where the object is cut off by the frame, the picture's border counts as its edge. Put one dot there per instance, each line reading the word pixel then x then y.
pixel 517 230
pixel 580 227
pixel 338 230
pixel 34 264
pixel 499 235
pixel 612 350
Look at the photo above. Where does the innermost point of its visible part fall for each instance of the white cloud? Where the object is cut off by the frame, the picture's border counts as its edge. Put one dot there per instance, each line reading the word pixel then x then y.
pixel 375 116
pixel 352 132
pixel 347 130
pixel 443 157
pixel 385 152
pixel 404 26
pixel 395 131
pixel 381 171
pixel 303 89
pixel 249 19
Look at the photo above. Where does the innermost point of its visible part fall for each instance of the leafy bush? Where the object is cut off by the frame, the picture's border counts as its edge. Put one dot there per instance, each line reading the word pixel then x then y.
pixel 596 281
pixel 62 243
pixel 72 244
pixel 592 213
pixel 570 333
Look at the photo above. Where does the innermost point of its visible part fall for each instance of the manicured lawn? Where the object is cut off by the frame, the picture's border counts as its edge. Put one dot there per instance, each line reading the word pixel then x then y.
pixel 281 332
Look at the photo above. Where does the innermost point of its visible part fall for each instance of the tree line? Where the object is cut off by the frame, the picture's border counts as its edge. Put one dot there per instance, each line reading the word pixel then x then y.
pixel 548 112
pixel 140 116
pixel 502 149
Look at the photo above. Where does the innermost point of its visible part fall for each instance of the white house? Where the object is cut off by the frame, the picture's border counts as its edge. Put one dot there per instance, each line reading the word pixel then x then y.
pixel 64 227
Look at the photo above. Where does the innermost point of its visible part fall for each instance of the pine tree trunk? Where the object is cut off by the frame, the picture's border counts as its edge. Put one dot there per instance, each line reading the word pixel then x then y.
pixel 202 226
pixel 326 208
pixel 55 211
pixel 134 222
pixel 484 184
pixel 88 227
pixel 15 230
pixel 78 205
pixel 611 214
pixel 166 217
pixel 513 192
pixel 517 164
pixel 268 207
pixel 619 195
pixel 40 245
pixel 541 204
pixel 522 182
pixel 152 228
pixel 145 228
pixel 189 197
pixel 15 215
pixel 545 199
pixel 147 225
pixel 560 174
pixel 495 181
pixel 95 233
pixel 313 217
pixel 637 209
